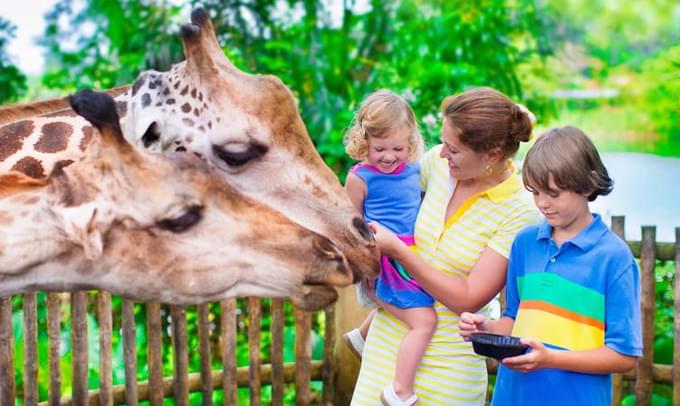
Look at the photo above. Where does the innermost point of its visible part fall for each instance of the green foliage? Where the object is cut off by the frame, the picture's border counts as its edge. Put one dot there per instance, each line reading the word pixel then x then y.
pixel 660 84
pixel 12 81
pixel 107 43
pixel 425 50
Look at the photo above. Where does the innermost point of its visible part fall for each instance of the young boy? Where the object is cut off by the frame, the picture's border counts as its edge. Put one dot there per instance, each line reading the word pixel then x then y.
pixel 572 286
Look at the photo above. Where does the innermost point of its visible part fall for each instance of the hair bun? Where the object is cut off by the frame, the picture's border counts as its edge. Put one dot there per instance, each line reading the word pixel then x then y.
pixel 523 123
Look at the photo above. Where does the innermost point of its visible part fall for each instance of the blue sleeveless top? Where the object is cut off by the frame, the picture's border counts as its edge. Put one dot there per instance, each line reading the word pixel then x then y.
pixel 392 199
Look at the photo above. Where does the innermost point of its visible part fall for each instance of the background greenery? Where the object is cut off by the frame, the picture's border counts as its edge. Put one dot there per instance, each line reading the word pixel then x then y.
pixel 607 66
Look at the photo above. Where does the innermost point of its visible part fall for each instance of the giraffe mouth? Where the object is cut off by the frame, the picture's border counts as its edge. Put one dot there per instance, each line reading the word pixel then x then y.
pixel 310 297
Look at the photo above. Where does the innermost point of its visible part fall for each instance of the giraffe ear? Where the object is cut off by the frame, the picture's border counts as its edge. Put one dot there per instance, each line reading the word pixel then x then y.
pixel 80 226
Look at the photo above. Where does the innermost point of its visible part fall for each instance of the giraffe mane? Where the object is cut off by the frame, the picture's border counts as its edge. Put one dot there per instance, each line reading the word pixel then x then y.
pixel 19 111
pixel 15 182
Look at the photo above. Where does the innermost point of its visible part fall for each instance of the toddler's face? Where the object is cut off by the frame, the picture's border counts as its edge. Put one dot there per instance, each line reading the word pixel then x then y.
pixel 388 153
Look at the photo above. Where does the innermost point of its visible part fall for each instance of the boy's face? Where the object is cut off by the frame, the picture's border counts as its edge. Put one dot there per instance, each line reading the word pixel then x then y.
pixel 563 209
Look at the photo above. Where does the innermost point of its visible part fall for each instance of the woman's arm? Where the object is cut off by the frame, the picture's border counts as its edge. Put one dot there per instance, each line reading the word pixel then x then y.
pixel 484 281
pixel 602 360
pixel 356 190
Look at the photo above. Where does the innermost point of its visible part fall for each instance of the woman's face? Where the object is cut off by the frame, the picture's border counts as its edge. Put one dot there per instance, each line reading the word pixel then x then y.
pixel 464 163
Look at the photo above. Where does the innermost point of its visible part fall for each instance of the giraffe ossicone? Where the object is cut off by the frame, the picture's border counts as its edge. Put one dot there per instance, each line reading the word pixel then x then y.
pixel 246 127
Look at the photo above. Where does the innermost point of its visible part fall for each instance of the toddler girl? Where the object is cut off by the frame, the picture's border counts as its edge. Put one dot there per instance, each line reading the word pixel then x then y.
pixel 385 188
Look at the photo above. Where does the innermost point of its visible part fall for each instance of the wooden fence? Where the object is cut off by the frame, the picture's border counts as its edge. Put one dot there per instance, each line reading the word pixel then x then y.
pixel 178 387
pixel 276 374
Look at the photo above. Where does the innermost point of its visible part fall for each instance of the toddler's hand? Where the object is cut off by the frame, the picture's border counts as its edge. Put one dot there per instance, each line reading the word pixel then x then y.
pixel 469 323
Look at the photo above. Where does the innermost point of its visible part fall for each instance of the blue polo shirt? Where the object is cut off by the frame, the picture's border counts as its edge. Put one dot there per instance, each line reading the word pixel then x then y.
pixel 582 295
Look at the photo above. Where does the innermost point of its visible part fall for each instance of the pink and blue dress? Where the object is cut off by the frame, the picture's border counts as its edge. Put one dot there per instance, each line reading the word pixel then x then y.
pixel 393 199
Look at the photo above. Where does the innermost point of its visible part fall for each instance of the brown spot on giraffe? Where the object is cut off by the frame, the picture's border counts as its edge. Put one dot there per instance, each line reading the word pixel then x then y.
pixel 12 136
pixel 188 122
pixel 186 107
pixel 54 137
pixel 5 218
pixel 30 166
pixel 31 200
pixel 184 91
pixel 87 137
pixel 170 101
pixel 193 93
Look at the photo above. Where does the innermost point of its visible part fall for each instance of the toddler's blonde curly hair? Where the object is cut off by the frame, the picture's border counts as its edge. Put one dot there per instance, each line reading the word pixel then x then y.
pixel 379 114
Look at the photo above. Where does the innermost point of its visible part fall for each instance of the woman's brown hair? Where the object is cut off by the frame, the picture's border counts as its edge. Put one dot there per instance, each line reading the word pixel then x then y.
pixel 486 119
pixel 573 161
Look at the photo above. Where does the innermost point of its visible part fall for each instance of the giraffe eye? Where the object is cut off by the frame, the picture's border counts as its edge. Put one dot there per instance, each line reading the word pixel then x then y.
pixel 188 219
pixel 239 158
pixel 151 135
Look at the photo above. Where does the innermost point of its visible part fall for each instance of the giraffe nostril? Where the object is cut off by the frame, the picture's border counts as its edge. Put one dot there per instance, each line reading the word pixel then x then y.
pixel 362 228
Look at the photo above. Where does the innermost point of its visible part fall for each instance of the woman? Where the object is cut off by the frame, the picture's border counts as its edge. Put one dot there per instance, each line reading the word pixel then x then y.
pixel 474 205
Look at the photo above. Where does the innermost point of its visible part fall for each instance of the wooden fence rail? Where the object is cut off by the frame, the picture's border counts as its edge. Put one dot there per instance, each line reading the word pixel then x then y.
pixel 255 375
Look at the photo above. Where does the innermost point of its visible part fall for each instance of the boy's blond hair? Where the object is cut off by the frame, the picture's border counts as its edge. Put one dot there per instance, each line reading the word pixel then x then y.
pixel 379 113
pixel 573 161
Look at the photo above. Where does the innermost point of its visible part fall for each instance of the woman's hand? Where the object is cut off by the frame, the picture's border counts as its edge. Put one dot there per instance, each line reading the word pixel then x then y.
pixel 469 323
pixel 388 243
pixel 537 358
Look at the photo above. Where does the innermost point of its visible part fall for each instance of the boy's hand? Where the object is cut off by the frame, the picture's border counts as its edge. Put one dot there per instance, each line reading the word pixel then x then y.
pixel 536 358
pixel 469 323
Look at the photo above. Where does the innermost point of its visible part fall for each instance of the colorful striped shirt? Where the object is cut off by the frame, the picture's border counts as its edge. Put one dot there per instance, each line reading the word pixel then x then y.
pixel 451 373
pixel 582 295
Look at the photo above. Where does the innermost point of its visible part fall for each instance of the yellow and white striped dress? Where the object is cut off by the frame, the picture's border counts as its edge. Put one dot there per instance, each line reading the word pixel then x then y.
pixel 451 373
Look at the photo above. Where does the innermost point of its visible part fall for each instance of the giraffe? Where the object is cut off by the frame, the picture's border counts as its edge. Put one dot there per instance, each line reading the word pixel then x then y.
pixel 246 126
pixel 155 228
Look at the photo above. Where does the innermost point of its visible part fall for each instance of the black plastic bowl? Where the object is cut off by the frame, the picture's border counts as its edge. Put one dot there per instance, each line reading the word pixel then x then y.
pixel 497 346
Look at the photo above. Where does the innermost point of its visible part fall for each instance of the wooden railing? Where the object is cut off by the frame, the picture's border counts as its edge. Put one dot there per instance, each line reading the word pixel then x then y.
pixel 277 374
pixel 178 387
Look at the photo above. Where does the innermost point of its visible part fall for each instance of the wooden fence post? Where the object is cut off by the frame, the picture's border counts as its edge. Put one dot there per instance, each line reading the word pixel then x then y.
pixel 329 366
pixel 254 324
pixel 228 334
pixel 79 346
pixel 204 347
pixel 303 357
pixel 277 352
pixel 645 378
pixel 7 389
pixel 154 327
pixel 54 338
pixel 130 352
pixel 348 315
pixel 619 228
pixel 105 368
pixel 31 361
pixel 180 381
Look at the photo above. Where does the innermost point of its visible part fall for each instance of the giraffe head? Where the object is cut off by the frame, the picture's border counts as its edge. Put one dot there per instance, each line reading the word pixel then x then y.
pixel 155 228
pixel 249 128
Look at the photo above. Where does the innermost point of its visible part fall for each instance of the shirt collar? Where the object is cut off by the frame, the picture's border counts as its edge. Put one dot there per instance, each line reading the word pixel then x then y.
pixel 585 239
pixel 505 189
